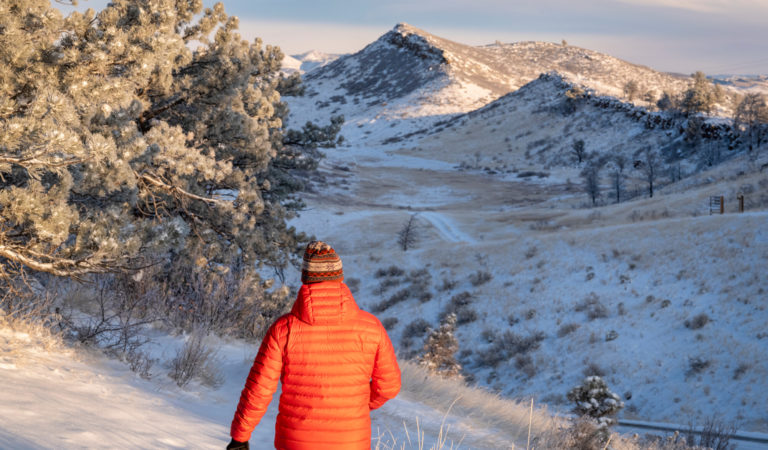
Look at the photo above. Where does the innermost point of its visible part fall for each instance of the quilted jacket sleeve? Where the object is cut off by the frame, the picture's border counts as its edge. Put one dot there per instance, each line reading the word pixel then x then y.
pixel 261 383
pixel 385 381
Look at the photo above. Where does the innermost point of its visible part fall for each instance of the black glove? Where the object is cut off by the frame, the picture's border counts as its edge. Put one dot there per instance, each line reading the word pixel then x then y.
pixel 234 445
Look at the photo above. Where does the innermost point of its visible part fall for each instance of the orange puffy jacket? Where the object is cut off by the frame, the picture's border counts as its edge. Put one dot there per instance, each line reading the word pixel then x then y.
pixel 335 362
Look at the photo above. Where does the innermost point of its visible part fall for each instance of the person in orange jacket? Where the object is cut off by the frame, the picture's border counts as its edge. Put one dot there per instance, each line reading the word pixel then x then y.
pixel 335 361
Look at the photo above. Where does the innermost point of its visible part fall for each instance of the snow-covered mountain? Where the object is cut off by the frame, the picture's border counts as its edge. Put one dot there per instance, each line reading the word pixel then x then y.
pixel 410 79
pixel 307 61
pixel 314 59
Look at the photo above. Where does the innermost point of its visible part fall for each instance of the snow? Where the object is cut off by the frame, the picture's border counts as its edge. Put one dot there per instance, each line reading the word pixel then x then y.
pixel 67 398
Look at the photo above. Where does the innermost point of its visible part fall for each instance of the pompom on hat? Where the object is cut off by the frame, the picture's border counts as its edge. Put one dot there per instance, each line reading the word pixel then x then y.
pixel 321 263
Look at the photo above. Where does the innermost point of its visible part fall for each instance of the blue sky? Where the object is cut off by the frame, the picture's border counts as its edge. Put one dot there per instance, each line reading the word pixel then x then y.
pixel 716 36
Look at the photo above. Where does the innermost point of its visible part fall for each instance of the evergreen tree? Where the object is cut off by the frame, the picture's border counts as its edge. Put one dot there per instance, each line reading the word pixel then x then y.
pixel 440 349
pixel 700 97
pixel 593 398
pixel 751 120
pixel 119 141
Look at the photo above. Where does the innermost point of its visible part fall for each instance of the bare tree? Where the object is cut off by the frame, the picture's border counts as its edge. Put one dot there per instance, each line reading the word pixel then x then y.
pixel 408 234
pixel 578 150
pixel 709 153
pixel 650 165
pixel 591 176
pixel 617 164
pixel 631 89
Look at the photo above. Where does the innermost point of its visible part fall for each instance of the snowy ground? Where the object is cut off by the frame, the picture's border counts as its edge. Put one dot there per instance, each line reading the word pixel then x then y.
pixel 59 397
pixel 648 266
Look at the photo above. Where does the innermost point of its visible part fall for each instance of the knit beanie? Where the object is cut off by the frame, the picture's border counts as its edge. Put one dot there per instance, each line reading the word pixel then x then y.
pixel 321 263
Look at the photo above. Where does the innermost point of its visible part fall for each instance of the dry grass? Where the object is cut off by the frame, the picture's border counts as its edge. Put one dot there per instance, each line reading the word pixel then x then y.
pixel 475 406
pixel 517 424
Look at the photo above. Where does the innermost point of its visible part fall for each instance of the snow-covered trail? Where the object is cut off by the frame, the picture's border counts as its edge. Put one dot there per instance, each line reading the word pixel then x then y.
pixel 447 228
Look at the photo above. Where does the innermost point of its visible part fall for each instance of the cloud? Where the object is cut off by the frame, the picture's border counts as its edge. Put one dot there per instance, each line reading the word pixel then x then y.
pixel 705 6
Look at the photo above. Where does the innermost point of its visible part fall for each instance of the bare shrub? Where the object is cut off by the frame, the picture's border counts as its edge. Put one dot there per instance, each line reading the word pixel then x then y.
pixel 741 370
pixel 480 277
pixel 389 322
pixel 352 283
pixel 417 328
pixel 531 252
pixel 24 300
pixel 226 301
pixel 583 434
pixel 507 345
pixel 593 370
pixel 465 315
pixel 593 307
pixel 113 314
pixel 387 283
pixel 420 281
pixel 196 360
pixel 567 329
pixel 526 365
pixel 448 284
pixel 391 271
pixel 460 306
pixel 697 365
pixel 140 362
pixel 714 434
pixel 697 322
pixel 398 297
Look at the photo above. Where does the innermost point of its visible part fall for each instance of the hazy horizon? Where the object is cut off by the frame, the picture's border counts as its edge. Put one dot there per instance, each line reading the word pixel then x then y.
pixel 682 36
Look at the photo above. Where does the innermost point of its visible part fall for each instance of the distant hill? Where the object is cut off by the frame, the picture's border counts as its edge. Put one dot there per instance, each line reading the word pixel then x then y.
pixel 409 74
pixel 308 61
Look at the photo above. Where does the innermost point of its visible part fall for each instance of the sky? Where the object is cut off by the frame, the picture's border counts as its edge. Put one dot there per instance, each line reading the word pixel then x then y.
pixel 683 36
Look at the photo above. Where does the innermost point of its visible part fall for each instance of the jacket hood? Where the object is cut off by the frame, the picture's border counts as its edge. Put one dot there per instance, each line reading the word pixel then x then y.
pixel 325 303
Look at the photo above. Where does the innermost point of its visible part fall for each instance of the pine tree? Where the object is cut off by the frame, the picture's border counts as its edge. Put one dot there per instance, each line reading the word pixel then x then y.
pixel 751 120
pixel 593 398
pixel 700 97
pixel 440 349
pixel 119 141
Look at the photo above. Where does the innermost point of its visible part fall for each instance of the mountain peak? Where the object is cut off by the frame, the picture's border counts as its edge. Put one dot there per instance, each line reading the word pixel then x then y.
pixel 416 41
pixel 404 28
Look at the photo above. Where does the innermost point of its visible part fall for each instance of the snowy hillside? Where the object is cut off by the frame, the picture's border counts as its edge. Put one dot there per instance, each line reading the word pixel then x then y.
pixel 76 398
pixel 530 134
pixel 409 80
pixel 645 292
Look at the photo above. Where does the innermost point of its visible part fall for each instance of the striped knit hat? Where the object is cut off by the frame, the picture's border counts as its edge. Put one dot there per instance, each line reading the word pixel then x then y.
pixel 321 263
